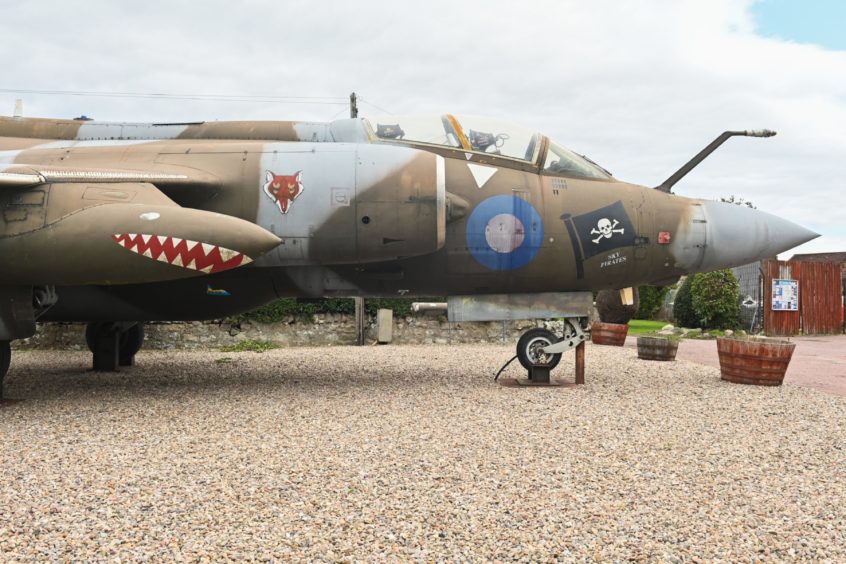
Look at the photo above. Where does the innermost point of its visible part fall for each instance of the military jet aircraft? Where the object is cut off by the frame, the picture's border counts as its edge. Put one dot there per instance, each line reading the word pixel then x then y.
pixel 117 224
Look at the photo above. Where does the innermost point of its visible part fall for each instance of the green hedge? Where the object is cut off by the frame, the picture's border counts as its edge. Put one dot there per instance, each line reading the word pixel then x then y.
pixel 709 300
pixel 683 305
pixel 716 299
pixel 651 299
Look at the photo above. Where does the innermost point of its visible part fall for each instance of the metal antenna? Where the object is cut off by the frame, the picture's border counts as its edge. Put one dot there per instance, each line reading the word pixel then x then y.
pixel 353 105
pixel 667 185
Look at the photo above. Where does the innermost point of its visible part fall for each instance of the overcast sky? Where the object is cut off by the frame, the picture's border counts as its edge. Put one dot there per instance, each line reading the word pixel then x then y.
pixel 638 86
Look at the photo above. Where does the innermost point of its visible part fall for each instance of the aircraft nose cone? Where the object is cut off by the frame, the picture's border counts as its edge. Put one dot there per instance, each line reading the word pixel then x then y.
pixel 738 235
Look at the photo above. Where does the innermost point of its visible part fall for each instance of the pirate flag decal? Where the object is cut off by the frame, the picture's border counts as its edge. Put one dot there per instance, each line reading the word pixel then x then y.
pixel 598 232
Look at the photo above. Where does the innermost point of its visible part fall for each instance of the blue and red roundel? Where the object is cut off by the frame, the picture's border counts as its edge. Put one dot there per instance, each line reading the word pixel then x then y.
pixel 504 233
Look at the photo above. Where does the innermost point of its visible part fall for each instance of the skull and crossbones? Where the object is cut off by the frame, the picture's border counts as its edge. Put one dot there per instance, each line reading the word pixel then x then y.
pixel 605 229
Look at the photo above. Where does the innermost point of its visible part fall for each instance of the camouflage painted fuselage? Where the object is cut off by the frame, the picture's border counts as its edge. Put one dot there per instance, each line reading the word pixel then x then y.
pixel 244 213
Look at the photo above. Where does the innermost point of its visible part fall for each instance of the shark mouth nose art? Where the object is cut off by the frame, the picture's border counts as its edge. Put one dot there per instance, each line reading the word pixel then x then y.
pixel 185 253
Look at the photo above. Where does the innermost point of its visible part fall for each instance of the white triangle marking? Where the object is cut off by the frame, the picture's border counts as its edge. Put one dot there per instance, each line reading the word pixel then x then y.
pixel 481 174
pixel 146 238
pixel 226 254
pixel 161 239
pixel 191 265
pixel 148 254
pixel 207 269
pixel 468 155
pixel 177 261
pixel 207 248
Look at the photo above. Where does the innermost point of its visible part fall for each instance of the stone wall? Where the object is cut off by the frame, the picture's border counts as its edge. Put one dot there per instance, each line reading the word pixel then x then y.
pixel 321 329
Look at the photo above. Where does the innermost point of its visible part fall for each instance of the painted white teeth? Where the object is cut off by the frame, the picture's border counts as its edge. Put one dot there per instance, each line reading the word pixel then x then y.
pixel 227 254
pixel 154 248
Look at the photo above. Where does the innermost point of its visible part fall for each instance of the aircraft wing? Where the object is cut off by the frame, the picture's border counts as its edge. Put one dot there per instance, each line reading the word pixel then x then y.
pixel 121 230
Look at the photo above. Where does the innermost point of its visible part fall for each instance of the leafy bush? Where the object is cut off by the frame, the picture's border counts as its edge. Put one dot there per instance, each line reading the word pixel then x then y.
pixel 683 305
pixel 611 309
pixel 651 299
pixel 715 297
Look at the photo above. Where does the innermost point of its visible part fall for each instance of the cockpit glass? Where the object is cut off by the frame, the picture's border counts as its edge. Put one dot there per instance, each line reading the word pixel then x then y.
pixel 496 137
pixel 432 130
pixel 470 133
pixel 567 163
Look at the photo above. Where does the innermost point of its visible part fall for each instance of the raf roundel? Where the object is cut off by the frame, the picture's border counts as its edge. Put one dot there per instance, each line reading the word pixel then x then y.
pixel 504 233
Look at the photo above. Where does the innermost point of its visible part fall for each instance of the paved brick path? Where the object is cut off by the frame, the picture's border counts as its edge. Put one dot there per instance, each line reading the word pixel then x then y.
pixel 819 361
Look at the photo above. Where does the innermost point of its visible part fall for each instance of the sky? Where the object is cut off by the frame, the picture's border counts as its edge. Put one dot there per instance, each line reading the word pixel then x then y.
pixel 639 86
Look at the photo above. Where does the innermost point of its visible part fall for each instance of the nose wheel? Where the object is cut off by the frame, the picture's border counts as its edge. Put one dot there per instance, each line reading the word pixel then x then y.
pixel 540 350
pixel 530 349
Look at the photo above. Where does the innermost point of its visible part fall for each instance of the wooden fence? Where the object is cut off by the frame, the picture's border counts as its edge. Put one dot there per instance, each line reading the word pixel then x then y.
pixel 820 304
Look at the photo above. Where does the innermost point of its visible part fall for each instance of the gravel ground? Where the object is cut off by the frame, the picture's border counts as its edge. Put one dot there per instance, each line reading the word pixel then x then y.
pixel 412 452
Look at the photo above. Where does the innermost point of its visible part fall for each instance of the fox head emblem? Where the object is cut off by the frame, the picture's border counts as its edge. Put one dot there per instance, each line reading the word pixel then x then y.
pixel 283 189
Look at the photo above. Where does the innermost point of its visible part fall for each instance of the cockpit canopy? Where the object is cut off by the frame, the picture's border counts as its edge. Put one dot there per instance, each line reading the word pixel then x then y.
pixel 489 136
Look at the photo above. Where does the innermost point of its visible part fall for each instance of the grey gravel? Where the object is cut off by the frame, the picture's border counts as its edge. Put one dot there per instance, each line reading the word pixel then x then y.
pixel 412 452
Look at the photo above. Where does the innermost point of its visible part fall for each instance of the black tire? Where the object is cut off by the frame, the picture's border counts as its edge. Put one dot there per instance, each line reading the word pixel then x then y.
pixel 92 333
pixel 131 340
pixel 5 361
pixel 528 346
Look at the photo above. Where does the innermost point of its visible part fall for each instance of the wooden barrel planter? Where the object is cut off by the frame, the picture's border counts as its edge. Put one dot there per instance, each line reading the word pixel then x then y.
pixel 613 334
pixel 656 348
pixel 757 362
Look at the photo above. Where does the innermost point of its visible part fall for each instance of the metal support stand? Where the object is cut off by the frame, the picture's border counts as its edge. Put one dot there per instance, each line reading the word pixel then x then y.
pixel 5 361
pixel 106 352
pixel 539 375
pixel 539 366
pixel 580 364
pixel 359 321
pixel 126 359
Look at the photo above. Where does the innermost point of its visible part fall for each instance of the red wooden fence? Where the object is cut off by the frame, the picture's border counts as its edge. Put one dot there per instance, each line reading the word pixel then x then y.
pixel 820 298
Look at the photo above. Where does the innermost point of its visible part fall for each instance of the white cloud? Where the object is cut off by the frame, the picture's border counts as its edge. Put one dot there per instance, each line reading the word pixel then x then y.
pixel 638 86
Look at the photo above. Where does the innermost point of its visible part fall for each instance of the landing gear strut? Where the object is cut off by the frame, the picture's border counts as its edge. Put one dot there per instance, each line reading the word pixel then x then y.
pixel 5 361
pixel 539 351
pixel 114 344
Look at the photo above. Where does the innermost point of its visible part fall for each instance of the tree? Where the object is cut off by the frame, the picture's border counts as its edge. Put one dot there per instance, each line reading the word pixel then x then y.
pixel 651 300
pixel 611 309
pixel 739 200
pixel 683 304
pixel 715 297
